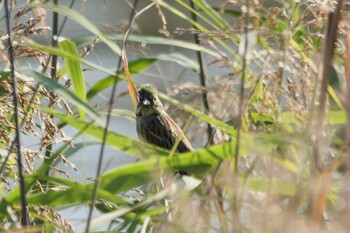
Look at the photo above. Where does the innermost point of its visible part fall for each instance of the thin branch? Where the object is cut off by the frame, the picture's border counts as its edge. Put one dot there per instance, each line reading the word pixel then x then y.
pixel 105 132
pixel 347 75
pixel 240 116
pixel 242 90
pixel 327 63
pixel 48 148
pixel 54 42
pixel 24 219
pixel 211 188
pixel 202 78
pixel 132 20
pixel 347 136
pixel 317 200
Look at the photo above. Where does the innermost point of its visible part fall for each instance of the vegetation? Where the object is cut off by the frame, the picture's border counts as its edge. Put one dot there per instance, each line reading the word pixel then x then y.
pixel 267 110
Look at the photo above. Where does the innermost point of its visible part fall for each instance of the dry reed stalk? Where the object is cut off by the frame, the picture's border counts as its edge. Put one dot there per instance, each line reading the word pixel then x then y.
pixel 320 175
pixel 346 184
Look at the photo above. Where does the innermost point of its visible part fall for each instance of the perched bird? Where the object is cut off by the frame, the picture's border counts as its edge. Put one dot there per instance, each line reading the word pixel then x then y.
pixel 154 125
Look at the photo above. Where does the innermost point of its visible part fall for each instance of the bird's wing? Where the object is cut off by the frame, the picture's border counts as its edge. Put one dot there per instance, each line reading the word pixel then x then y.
pixel 162 131
pixel 175 133
pixel 151 129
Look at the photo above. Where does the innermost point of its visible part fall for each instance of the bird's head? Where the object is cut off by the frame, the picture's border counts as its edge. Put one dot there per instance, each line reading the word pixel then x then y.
pixel 149 103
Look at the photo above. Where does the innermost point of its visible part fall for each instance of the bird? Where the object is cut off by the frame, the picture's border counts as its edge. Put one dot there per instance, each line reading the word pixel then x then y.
pixel 154 125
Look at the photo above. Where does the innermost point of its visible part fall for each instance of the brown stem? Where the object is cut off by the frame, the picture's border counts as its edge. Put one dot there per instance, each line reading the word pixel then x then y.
pixel 317 202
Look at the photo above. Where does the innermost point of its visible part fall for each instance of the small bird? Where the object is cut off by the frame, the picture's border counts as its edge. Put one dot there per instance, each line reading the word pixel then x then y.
pixel 154 125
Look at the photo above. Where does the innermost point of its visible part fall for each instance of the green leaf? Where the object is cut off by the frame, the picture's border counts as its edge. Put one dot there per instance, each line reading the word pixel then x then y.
pixel 72 149
pixel 231 12
pixel 287 164
pixel 122 179
pixel 135 66
pixel 114 140
pixel 198 24
pixel 283 117
pixel 3 76
pixel 65 54
pixel 215 17
pixel 297 11
pixel 334 79
pixel 101 85
pixel 63 92
pixel 133 175
pixel 211 16
pixel 180 59
pixel 74 69
pixel 81 41
pixel 126 114
pixel 82 20
pixel 227 128
pixel 335 97
pixel 273 186
pixel 337 117
pixel 178 186
pixel 71 193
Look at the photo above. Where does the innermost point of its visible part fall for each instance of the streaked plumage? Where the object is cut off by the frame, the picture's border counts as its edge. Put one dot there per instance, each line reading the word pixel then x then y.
pixel 154 125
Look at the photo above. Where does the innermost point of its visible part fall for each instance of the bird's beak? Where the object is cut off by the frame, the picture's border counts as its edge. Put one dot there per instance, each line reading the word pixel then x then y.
pixel 146 102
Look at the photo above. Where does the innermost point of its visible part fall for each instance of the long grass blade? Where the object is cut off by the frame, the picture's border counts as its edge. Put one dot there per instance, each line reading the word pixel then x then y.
pixel 82 20
pixel 75 71
pixel 63 92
